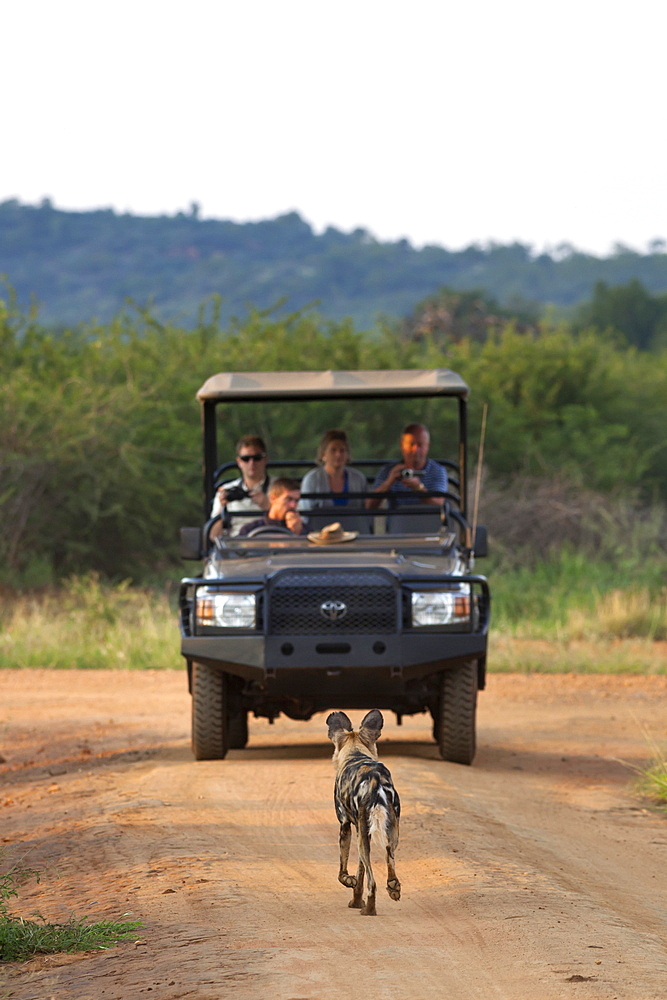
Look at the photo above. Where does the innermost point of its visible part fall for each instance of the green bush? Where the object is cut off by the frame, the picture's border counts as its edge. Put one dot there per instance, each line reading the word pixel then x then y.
pixel 100 430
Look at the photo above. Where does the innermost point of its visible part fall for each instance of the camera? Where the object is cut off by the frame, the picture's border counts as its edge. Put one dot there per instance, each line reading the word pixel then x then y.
pixel 236 493
pixel 409 473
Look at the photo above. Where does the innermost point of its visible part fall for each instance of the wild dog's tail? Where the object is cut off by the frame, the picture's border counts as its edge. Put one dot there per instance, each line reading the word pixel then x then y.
pixel 379 819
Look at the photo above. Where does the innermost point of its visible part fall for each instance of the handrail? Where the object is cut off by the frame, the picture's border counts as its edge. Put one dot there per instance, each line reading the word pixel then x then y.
pixel 357 511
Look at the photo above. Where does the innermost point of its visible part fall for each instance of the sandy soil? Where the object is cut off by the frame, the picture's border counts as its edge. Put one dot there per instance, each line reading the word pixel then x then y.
pixel 536 874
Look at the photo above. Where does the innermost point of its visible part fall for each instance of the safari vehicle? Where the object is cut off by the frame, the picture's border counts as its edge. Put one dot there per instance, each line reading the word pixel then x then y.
pixel 276 623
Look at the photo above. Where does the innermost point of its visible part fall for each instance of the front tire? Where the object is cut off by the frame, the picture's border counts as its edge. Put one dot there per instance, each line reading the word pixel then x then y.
pixel 210 730
pixel 455 725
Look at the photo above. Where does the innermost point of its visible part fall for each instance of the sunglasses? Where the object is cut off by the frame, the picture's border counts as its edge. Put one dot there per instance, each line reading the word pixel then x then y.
pixel 251 458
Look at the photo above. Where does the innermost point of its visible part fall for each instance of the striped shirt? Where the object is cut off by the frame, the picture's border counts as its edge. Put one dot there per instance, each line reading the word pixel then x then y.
pixel 433 476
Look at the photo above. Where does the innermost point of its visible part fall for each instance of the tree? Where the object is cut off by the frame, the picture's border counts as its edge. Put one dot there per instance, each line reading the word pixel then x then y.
pixel 452 316
pixel 628 309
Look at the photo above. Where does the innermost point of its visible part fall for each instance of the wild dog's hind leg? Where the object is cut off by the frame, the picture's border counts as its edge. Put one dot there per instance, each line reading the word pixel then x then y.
pixel 368 910
pixel 357 900
pixel 344 838
pixel 393 885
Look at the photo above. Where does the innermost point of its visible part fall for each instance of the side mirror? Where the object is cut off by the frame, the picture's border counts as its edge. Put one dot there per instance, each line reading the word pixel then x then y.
pixel 480 545
pixel 191 547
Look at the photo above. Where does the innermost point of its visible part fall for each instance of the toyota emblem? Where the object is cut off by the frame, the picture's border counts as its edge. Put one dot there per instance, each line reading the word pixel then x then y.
pixel 333 610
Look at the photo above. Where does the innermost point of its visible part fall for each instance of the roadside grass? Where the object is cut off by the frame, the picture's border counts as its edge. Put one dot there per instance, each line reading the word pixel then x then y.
pixel 622 614
pixel 652 781
pixel 565 613
pixel 568 613
pixel 573 595
pixel 87 623
pixel 511 655
pixel 21 939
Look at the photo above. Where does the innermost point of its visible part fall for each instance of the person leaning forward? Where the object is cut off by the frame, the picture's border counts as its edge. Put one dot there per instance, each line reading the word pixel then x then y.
pixel 408 482
pixel 282 513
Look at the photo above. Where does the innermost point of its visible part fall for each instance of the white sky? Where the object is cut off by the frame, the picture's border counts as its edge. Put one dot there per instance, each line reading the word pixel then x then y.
pixel 443 122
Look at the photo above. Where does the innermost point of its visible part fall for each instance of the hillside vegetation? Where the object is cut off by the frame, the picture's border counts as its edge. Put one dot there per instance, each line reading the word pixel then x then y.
pixel 80 265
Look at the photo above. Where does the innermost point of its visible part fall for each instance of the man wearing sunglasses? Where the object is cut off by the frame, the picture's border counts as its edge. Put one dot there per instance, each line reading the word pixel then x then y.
pixel 250 492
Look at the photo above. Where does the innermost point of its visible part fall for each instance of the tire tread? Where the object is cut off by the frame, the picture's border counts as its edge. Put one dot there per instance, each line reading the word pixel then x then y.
pixel 456 729
pixel 210 731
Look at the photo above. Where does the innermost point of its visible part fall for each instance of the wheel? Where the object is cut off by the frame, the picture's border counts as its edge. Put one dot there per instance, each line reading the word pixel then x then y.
pixel 238 730
pixel 210 729
pixel 454 728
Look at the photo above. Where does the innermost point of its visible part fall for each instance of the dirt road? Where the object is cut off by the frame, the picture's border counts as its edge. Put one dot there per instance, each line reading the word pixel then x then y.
pixel 536 874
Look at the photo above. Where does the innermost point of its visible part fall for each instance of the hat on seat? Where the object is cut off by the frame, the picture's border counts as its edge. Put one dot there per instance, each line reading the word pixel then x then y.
pixel 332 534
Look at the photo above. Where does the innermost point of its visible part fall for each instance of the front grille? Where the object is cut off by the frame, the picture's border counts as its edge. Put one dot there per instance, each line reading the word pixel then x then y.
pixel 296 598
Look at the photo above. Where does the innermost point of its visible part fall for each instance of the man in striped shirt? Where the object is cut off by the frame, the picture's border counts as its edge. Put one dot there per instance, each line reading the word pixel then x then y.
pixel 404 483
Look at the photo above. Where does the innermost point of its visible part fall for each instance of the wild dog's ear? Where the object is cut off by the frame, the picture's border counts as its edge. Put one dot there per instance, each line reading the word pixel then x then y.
pixel 371 726
pixel 338 723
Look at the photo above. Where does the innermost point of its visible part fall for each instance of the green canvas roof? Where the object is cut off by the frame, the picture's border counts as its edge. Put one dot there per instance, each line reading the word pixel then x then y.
pixel 236 386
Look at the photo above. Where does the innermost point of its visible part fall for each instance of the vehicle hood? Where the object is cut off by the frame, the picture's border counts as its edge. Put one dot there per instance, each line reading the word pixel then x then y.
pixel 400 564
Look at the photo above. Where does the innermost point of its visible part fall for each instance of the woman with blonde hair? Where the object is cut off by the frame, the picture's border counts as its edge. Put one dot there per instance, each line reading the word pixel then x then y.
pixel 334 475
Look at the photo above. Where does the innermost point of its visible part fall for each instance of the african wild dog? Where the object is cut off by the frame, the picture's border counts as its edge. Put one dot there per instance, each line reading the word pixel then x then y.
pixel 364 796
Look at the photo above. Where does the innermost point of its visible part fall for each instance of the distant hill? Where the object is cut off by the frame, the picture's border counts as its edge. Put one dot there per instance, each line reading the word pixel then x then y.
pixel 84 265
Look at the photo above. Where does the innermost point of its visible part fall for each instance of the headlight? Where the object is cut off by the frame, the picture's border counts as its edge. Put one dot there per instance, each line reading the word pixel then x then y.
pixel 441 607
pixel 225 610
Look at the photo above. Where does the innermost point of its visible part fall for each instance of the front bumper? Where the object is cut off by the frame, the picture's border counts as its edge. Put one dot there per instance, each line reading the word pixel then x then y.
pixel 402 654
pixel 405 656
